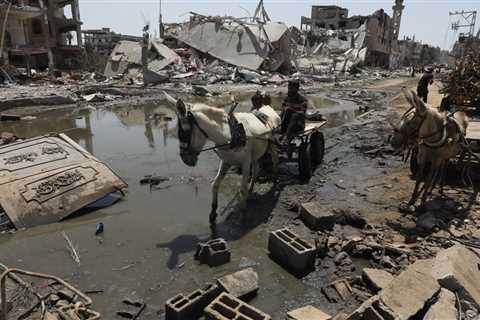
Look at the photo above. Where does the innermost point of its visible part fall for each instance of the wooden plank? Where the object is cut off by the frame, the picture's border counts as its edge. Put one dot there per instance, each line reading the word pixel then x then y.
pixel 309 126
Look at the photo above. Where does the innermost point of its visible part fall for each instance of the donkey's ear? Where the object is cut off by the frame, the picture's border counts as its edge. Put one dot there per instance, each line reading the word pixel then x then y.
pixel 414 100
pixel 181 107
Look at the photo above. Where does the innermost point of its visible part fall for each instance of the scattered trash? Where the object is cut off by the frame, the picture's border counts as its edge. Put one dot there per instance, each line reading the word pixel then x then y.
pixel 99 229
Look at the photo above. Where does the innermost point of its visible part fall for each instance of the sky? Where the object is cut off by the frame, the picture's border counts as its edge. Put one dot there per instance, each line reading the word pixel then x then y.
pixel 428 20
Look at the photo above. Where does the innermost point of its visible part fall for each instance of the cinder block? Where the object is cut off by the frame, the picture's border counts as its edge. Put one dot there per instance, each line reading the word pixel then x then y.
pixel 187 307
pixel 227 307
pixel 214 253
pixel 242 284
pixel 316 217
pixel 292 252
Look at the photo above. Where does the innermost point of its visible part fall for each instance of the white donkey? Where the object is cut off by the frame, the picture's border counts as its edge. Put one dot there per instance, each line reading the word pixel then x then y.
pixel 199 123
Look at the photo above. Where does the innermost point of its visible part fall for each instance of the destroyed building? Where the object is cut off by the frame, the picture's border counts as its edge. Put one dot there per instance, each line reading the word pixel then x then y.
pixel 104 40
pixel 381 32
pixel 39 34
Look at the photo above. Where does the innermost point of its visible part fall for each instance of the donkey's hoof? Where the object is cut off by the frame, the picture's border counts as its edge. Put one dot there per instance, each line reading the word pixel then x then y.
pixel 406 207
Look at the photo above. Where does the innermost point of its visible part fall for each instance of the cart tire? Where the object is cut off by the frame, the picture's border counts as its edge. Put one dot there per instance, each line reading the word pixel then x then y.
pixel 317 148
pixel 414 161
pixel 305 167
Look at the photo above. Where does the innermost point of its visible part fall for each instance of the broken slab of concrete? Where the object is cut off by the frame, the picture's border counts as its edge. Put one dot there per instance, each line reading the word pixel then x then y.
pixel 316 217
pixel 376 279
pixel 404 297
pixel 457 269
pixel 46 179
pixel 242 284
pixel 308 313
pixel 444 307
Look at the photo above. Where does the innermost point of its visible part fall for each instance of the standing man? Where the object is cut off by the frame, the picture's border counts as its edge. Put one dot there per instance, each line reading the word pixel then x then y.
pixel 294 109
pixel 425 81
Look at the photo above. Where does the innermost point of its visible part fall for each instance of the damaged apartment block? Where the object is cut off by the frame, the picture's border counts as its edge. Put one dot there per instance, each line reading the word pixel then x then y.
pixel 345 41
pixel 38 33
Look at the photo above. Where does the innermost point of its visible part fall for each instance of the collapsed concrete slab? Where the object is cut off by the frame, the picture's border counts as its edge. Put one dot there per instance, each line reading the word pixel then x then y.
pixel 242 284
pixel 46 179
pixel 377 279
pixel 457 269
pixel 444 307
pixel 308 313
pixel 247 45
pixel 404 297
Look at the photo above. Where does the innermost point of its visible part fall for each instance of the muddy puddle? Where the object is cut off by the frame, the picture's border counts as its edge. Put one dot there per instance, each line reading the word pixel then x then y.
pixel 147 248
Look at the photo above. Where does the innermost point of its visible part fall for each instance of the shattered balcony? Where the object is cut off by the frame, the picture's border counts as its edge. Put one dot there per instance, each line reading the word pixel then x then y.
pixel 66 25
pixel 21 11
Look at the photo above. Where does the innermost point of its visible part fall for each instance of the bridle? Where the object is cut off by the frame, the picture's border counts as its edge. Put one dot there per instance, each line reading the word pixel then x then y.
pixel 185 134
pixel 421 140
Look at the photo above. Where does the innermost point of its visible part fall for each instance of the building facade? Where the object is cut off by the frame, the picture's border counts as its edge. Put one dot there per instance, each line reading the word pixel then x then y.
pixel 39 34
pixel 104 40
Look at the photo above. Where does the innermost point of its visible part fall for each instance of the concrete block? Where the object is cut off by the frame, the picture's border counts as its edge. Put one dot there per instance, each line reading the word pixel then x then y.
pixel 316 217
pixel 227 307
pixel 186 307
pixel 457 269
pixel 410 292
pixel 444 308
pixel 214 253
pixel 242 284
pixel 292 252
pixel 308 313
pixel 376 279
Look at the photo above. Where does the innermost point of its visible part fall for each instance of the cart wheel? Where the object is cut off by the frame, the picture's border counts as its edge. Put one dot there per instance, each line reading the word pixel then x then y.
pixel 317 148
pixel 305 161
pixel 413 161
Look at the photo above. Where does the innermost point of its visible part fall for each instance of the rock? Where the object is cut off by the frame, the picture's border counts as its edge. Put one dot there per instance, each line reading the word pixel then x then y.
pixel 428 222
pixel 444 308
pixel 316 218
pixel 308 313
pixel 242 284
pixel 340 257
pixel 457 269
pixel 377 279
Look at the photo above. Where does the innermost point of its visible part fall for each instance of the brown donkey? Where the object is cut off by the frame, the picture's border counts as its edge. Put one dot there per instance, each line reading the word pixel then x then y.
pixel 438 137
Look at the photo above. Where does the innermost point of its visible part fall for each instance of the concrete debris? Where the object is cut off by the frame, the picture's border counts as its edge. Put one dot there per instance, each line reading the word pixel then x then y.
pixel 338 291
pixel 190 306
pixel 316 217
pixel 59 299
pixel 57 177
pixel 308 313
pixel 444 307
pixel 242 284
pixel 214 253
pixel 292 252
pixel 227 307
pixel 252 46
pixel 376 279
pixel 456 269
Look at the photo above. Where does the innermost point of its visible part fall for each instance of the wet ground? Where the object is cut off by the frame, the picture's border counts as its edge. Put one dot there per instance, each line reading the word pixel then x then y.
pixel 150 237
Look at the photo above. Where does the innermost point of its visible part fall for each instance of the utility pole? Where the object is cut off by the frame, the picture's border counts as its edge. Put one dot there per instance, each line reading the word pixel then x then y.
pixel 160 22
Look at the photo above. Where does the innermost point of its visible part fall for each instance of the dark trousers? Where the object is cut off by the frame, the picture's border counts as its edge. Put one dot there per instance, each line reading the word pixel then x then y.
pixel 292 122
pixel 423 94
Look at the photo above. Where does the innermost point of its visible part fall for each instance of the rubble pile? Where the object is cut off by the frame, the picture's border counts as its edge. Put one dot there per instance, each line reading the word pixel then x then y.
pixel 463 83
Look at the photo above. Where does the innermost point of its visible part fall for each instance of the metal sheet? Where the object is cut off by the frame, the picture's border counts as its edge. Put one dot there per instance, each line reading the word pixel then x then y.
pixel 44 180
